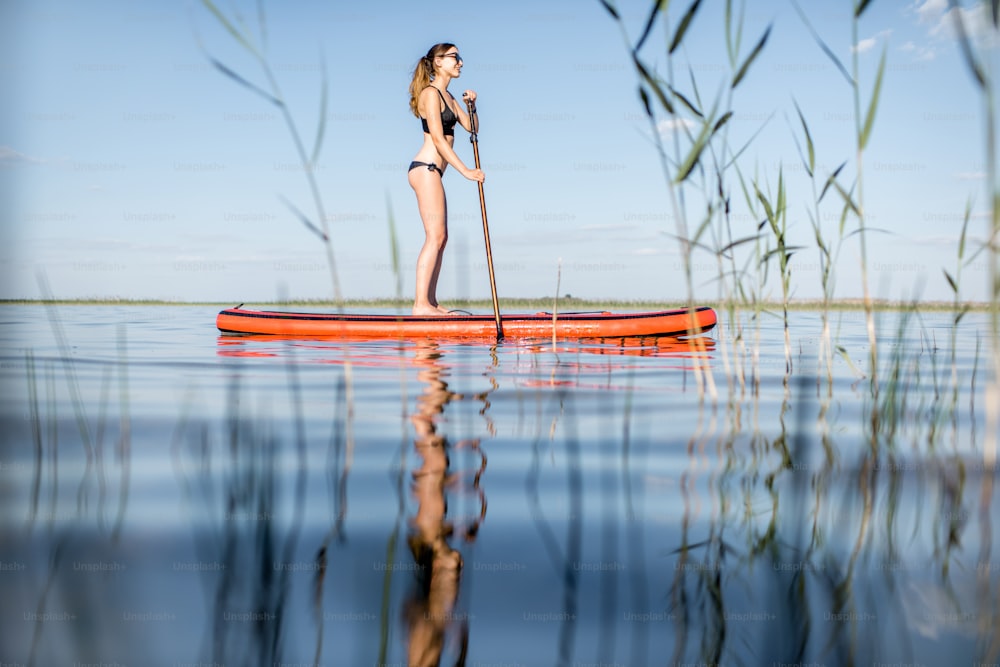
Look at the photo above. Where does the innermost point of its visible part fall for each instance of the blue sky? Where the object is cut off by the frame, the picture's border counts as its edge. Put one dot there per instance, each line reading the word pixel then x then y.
pixel 130 167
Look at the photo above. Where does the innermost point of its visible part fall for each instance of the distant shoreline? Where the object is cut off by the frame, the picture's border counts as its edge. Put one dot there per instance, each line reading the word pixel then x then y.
pixel 564 304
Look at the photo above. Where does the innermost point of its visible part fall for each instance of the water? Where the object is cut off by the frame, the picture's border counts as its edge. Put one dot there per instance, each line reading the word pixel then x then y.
pixel 175 497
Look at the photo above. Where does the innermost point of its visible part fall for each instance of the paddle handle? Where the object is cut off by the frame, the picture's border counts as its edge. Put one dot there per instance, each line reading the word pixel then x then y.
pixel 473 137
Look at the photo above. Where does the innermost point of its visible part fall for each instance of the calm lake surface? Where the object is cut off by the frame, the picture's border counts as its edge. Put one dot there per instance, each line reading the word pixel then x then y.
pixel 171 496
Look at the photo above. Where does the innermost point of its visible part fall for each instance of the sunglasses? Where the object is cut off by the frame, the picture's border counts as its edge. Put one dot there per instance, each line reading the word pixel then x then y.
pixel 458 58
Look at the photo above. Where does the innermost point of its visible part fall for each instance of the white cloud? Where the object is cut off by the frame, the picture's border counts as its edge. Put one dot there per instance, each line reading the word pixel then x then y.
pixel 670 125
pixel 869 43
pixel 864 45
pixel 941 19
pixel 9 156
pixel 930 10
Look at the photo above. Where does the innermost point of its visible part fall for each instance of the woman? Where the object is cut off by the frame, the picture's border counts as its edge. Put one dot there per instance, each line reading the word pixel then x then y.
pixel 438 111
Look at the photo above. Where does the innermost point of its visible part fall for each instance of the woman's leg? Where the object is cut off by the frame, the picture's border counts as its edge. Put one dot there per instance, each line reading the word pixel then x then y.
pixel 434 213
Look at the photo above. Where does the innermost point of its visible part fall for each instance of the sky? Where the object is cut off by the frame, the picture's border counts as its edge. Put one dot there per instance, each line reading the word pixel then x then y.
pixel 131 167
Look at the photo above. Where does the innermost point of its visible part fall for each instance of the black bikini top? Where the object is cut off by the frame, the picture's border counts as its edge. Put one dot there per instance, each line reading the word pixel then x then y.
pixel 448 118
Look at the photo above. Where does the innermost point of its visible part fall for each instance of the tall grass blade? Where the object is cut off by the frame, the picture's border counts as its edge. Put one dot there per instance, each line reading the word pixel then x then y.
pixel 966 46
pixel 683 26
pixel 951 281
pixel 228 25
pixel 611 10
pixel 243 82
pixel 861 7
pixel 658 6
pixel 694 155
pixel 729 246
pixel 654 84
pixel 847 199
pixel 745 67
pixel 644 96
pixel 873 103
pixel 394 247
pixel 321 128
pixel 811 165
pixel 749 141
pixel 686 102
pixel 722 121
pixel 731 48
pixel 832 180
pixel 822 45
pixel 262 22
pixel 304 219
pixel 965 228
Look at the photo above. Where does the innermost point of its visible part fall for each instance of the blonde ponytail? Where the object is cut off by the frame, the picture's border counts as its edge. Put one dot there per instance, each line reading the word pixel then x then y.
pixel 423 73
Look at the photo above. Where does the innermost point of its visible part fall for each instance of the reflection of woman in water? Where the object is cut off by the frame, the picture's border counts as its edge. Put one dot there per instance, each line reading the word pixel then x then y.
pixel 430 611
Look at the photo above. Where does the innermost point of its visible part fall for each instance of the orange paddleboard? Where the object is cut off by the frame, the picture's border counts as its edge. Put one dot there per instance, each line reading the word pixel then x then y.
pixel 680 322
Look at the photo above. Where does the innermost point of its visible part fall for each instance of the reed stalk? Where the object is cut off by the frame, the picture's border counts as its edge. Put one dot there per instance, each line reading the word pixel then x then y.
pixel 256 49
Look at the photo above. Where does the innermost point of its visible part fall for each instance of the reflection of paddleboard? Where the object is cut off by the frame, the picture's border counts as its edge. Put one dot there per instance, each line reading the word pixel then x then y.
pixel 679 322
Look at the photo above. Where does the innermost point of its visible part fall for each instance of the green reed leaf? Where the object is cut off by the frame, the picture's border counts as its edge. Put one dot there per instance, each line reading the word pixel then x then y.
pixel 304 219
pixel 749 61
pixel 703 226
pixel 768 209
pixel 782 206
pixel 644 96
pixel 843 220
pixel 822 45
pixel 658 6
pixel 611 10
pixel 243 82
pixel 683 26
pixel 749 141
pixel 686 102
pixel 860 8
pixel 847 199
pixel 729 246
pixel 873 103
pixel 694 155
pixel 722 121
pixel 843 353
pixel 965 228
pixel 966 45
pixel 228 25
pixel 321 126
pixel 654 84
pixel 690 242
pixel 394 247
pixel 811 166
pixel 951 281
pixel 730 47
pixel 961 313
pixel 262 22
pixel 831 180
pixel 694 87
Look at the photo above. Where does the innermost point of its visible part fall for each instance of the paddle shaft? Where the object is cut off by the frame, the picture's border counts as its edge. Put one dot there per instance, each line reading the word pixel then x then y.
pixel 474 123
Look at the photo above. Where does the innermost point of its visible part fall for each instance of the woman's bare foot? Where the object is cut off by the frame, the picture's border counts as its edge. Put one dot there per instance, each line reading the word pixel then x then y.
pixel 429 311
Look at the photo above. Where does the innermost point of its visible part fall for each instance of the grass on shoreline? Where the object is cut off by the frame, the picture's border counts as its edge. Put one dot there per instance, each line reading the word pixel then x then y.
pixel 509 304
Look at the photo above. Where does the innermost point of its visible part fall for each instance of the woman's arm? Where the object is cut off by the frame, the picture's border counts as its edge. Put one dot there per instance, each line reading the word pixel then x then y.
pixel 431 105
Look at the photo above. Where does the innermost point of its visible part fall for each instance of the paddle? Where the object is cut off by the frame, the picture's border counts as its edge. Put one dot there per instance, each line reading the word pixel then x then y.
pixel 474 125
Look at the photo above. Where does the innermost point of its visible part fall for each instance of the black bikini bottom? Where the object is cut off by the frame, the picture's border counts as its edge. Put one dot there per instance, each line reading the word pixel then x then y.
pixel 430 167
